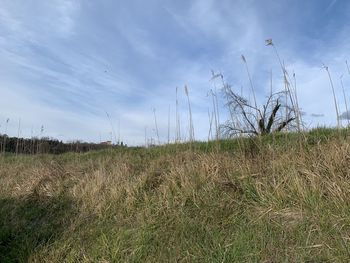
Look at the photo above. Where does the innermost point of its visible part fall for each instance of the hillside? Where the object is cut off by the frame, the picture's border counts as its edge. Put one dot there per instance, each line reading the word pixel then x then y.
pixel 276 199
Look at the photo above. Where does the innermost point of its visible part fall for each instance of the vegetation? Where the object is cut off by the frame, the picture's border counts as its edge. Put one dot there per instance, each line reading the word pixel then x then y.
pixel 281 198
pixel 249 119
pixel 47 145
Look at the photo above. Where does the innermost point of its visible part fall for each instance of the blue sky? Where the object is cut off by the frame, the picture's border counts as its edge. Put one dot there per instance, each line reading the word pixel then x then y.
pixel 65 63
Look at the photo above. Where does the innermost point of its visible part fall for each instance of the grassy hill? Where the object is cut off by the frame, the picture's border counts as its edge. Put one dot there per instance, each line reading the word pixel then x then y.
pixel 282 198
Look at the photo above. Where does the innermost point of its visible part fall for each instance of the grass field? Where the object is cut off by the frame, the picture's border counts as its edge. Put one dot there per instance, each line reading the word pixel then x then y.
pixel 282 198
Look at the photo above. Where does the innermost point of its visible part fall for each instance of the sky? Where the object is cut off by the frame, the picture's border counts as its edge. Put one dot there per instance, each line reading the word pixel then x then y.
pixel 95 70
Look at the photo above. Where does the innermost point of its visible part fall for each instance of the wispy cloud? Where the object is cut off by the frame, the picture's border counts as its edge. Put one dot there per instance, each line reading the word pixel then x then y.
pixel 317 115
pixel 331 4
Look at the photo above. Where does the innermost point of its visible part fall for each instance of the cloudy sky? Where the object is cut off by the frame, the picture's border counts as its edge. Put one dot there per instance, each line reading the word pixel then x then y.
pixel 64 64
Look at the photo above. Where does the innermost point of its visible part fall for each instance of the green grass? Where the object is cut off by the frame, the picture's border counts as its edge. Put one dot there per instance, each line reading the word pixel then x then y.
pixel 284 198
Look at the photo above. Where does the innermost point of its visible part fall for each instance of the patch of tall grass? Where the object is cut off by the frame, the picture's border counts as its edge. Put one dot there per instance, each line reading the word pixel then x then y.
pixel 255 200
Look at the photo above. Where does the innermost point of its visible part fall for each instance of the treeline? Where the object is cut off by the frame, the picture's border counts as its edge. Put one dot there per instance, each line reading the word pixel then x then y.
pixel 48 145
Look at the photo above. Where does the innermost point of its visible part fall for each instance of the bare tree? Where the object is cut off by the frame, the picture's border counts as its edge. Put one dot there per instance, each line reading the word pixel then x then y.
pixel 246 118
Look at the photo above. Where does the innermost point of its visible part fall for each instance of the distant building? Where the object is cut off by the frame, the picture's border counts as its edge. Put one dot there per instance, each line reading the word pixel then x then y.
pixel 106 143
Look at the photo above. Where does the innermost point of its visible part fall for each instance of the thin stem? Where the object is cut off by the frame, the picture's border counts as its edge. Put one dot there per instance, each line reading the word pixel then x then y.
pixel 5 135
pixel 178 130
pixel 347 66
pixel 155 122
pixel 345 100
pixel 191 131
pixel 210 116
pixel 215 115
pixel 299 119
pixel 146 136
pixel 169 124
pixel 112 127
pixel 286 80
pixel 119 131
pixel 18 134
pixel 334 97
pixel 250 81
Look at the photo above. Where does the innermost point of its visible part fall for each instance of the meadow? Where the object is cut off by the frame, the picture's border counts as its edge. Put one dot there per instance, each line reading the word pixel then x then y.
pixel 279 198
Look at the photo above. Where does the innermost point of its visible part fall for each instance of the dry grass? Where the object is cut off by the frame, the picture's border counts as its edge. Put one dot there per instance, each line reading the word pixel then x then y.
pixel 271 205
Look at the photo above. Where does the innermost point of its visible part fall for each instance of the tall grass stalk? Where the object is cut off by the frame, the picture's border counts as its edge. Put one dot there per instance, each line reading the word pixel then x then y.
pixel 156 125
pixel 177 124
pixel 334 97
pixel 297 101
pixel 5 135
pixel 271 83
pixel 286 94
pixel 169 124
pixel 146 136
pixel 345 100
pixel 191 129
pixel 18 135
pixel 251 85
pixel 39 148
pixel 216 121
pixel 287 81
pixel 119 139
pixel 216 104
pixel 32 151
pixel 112 127
pixel 271 87
pixel 210 117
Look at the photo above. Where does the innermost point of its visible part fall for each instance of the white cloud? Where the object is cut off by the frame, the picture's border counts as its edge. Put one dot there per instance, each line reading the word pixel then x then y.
pixel 36 20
